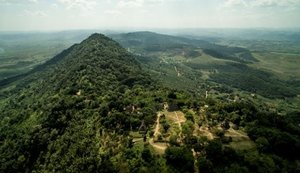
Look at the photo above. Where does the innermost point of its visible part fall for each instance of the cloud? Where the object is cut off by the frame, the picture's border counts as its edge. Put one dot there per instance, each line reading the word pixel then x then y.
pixel 10 2
pixel 138 3
pixel 125 6
pixel 112 12
pixel 154 2
pixel 235 3
pixel 34 1
pixel 130 3
pixel 78 4
pixel 261 3
pixel 275 3
pixel 54 5
pixel 37 13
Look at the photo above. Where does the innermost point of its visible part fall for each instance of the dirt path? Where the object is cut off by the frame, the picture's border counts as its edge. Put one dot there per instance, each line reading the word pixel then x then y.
pixel 195 161
pixel 137 140
pixel 164 60
pixel 179 124
pixel 160 146
pixel 156 130
pixel 210 136
pixel 206 133
pixel 178 74
pixel 236 133
pixel 202 129
pixel 202 113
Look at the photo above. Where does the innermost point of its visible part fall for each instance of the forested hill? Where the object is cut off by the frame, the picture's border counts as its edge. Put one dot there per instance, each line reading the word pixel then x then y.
pixel 149 42
pixel 94 49
pixel 67 116
pixel 92 108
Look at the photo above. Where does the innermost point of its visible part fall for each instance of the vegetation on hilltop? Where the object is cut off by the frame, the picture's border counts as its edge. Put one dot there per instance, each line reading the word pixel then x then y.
pixel 65 109
pixel 83 111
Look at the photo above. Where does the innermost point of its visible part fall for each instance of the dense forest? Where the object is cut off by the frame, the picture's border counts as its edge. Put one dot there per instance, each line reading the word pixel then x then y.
pixel 76 113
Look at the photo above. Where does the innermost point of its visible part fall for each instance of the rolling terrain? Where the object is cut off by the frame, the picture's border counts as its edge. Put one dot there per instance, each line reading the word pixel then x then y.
pixel 160 104
pixel 21 52
pixel 193 62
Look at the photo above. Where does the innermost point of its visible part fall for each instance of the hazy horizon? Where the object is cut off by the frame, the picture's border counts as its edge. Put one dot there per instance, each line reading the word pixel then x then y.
pixel 61 15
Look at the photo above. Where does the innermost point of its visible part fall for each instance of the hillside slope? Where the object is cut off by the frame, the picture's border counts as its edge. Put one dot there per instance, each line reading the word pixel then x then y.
pixel 65 113
pixel 176 61
pixel 150 42
pixel 92 108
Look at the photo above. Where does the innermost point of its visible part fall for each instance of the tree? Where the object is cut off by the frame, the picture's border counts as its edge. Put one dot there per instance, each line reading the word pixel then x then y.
pixel 173 140
pixel 262 144
pixel 225 125
pixel 214 151
pixel 260 163
pixel 188 128
pixel 147 155
pixel 180 158
pixel 189 116
pixel 204 165
pixel 220 133
pixel 235 168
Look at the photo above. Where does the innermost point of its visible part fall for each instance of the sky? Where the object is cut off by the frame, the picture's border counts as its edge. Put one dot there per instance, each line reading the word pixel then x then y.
pixel 48 15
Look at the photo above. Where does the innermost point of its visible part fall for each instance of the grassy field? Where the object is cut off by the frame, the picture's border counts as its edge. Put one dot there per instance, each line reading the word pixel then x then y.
pixel 20 52
pixel 17 59
pixel 279 46
pixel 284 65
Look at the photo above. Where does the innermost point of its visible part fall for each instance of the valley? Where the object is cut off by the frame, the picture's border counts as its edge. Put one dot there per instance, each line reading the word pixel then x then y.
pixel 149 86
pixel 149 102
